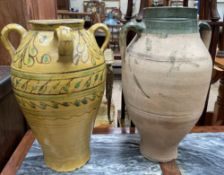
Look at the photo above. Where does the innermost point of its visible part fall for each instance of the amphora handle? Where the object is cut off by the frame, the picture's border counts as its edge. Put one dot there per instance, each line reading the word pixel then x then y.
pixel 137 27
pixel 103 27
pixel 5 36
pixel 206 33
pixel 65 37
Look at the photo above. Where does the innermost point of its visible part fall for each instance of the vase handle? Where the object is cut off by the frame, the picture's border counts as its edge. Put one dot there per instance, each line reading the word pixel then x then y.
pixel 65 37
pixel 5 36
pixel 206 33
pixel 137 27
pixel 98 26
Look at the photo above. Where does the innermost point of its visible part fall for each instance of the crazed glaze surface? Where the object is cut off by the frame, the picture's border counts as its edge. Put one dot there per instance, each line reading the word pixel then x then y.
pixel 165 80
pixel 58 76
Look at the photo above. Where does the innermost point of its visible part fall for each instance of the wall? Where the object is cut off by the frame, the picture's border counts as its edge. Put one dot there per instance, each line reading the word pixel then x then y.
pixel 122 4
pixel 221 7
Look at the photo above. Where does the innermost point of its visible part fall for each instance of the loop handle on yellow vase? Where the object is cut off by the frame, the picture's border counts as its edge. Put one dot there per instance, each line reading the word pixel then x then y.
pixel 98 26
pixel 5 36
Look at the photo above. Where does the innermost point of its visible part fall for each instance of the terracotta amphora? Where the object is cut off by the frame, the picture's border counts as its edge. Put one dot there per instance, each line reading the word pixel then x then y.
pixel 166 72
pixel 58 74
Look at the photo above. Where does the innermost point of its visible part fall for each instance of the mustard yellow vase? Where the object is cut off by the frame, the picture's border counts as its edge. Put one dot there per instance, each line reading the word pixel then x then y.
pixel 58 75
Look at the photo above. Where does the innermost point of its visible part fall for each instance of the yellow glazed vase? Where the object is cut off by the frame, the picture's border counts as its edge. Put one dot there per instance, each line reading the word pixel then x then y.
pixel 58 75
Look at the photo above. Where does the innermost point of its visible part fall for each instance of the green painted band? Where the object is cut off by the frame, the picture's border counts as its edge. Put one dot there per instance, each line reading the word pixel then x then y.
pixel 170 12
pixel 54 76
pixel 170 20
pixel 61 97
pixel 171 27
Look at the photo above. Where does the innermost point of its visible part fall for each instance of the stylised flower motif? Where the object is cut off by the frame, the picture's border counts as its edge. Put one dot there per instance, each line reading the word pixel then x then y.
pixel 45 59
pixel 43 39
pixel 29 61
pixel 85 55
pixel 80 53
pixel 27 54
pixel 33 52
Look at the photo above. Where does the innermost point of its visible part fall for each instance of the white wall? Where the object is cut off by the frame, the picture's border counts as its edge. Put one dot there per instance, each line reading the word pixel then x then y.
pixel 220 4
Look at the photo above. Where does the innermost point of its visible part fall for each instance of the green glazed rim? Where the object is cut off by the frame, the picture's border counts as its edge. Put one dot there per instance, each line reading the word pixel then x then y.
pixel 170 20
pixel 170 12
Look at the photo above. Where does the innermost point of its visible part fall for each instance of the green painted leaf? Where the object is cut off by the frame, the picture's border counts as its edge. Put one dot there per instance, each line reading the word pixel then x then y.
pixel 45 59
pixel 101 77
pixel 20 64
pixel 29 61
pixel 33 105
pixel 33 52
pixel 55 86
pixel 65 104
pixel 88 83
pixel 84 101
pixel 93 61
pixel 24 86
pixel 96 77
pixel 42 88
pixel 34 88
pixel 77 103
pixel 43 105
pixel 77 85
pixel 65 89
pixel 93 98
pixel 54 105
pixel 17 82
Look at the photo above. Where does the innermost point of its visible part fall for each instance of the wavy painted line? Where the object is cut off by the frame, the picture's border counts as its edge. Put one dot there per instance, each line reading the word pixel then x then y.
pixel 29 93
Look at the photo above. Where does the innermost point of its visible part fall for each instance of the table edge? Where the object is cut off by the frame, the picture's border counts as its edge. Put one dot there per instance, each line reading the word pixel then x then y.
pixel 22 149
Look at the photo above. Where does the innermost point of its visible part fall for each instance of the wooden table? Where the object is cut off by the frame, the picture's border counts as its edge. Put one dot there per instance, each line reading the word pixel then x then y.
pixel 169 168
pixel 218 116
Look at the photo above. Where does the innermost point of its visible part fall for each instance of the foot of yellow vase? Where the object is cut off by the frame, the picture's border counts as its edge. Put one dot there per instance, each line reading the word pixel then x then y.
pixel 65 166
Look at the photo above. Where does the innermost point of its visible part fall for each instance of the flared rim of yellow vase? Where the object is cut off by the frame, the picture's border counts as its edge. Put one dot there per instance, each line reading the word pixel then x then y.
pixel 49 24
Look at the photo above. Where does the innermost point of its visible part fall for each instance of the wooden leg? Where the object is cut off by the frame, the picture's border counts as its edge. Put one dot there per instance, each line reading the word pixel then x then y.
pixel 122 107
pixel 203 121
pixel 214 10
pixel 165 2
pixel 170 168
pixel 132 125
pixel 206 119
pixel 214 41
pixel 129 12
pixel 218 116
pixel 109 89
pixel 204 10
pixel 185 3
pixel 221 44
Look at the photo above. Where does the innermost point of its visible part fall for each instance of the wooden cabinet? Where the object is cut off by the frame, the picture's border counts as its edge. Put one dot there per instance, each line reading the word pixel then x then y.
pixel 20 11
pixel 12 123
pixel 63 4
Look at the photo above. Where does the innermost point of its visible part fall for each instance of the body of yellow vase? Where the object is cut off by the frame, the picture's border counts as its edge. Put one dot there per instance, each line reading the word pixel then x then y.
pixel 58 74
